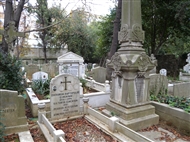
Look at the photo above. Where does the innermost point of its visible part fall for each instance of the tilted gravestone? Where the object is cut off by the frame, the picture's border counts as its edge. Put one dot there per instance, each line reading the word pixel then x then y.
pixel 99 74
pixel 65 97
pixel 158 84
pixel 12 109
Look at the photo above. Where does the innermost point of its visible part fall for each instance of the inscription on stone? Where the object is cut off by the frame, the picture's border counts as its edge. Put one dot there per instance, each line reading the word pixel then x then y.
pixel 65 101
pixel 139 88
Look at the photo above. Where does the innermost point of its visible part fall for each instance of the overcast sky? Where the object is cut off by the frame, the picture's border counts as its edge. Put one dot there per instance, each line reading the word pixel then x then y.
pixel 99 7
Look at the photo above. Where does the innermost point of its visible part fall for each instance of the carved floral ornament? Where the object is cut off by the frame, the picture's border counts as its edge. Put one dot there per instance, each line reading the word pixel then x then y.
pixel 143 62
pixel 116 61
pixel 135 34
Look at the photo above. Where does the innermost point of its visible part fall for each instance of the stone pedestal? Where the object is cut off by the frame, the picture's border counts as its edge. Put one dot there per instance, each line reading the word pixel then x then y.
pixel 129 99
pixel 136 118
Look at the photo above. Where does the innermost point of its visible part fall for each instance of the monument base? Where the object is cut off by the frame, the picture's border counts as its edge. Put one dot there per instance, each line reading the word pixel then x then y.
pixel 135 118
pixel 21 126
pixel 16 129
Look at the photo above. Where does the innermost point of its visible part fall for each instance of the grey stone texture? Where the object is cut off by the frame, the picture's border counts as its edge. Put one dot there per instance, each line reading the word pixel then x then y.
pixel 99 74
pixel 64 96
pixel 158 84
pixel 12 109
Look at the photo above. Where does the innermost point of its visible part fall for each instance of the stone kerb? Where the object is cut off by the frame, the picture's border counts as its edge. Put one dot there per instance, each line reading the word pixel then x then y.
pixel 13 112
pixel 34 101
pixel 178 117
pixel 64 96
pixel 98 86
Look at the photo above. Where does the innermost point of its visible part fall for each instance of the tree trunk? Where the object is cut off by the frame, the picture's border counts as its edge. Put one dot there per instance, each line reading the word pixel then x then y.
pixel 116 28
pixel 114 44
pixel 10 16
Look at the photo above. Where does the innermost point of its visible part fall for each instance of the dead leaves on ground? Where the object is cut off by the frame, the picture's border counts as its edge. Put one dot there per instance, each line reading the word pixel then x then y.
pixel 11 138
pixel 75 129
pixel 165 137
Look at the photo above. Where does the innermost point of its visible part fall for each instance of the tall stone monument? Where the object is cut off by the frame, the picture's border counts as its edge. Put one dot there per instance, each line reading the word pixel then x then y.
pixel 129 98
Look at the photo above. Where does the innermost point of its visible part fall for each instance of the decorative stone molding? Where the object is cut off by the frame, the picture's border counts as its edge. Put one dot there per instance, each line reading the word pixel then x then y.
pixel 136 34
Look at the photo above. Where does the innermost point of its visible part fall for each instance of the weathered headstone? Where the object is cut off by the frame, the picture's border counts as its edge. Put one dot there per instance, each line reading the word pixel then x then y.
pixel 12 109
pixel 40 76
pixel 99 74
pixel 186 68
pixel 181 89
pixel 65 97
pixel 71 63
pixel 30 70
pixel 163 72
pixel 52 69
pixel 158 84
pixel 153 59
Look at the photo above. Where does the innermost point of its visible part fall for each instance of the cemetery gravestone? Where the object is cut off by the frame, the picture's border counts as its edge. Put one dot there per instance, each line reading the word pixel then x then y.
pixel 40 76
pixel 158 84
pixel 65 96
pixel 163 72
pixel 71 63
pixel 45 68
pixel 12 109
pixel 99 74
pixel 186 68
pixel 51 68
pixel 30 70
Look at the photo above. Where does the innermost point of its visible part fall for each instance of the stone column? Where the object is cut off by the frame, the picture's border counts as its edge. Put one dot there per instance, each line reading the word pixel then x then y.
pixel 80 70
pixel 130 61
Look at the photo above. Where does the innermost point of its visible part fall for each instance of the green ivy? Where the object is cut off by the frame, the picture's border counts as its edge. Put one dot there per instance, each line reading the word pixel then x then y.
pixel 11 74
pixel 174 101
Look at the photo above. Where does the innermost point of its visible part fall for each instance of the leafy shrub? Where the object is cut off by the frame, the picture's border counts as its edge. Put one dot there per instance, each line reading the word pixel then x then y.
pixel 41 87
pixel 83 81
pixel 11 75
pixel 174 101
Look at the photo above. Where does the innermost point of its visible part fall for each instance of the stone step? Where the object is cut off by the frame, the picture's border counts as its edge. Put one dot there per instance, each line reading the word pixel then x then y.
pixel 130 113
pixel 25 136
pixel 142 122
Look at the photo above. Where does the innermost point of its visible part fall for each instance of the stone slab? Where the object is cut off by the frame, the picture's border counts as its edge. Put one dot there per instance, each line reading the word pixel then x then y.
pixel 25 136
pixel 130 113
pixel 178 117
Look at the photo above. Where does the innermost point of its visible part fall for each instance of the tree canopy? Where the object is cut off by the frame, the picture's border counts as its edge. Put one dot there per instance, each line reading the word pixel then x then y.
pixel 166 25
